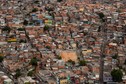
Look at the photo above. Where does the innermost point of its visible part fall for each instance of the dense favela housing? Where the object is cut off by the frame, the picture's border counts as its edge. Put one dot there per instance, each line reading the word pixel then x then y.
pixel 62 41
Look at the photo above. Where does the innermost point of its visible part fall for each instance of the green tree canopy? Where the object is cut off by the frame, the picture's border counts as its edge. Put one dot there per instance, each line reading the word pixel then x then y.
pixel 33 61
pixel 101 16
pixel 25 22
pixel 59 0
pixel 59 57
pixel 22 41
pixel 71 61
pixel 48 47
pixel 30 73
pixel 34 10
pixel 117 75
pixel 21 29
pixel 1 58
pixel 82 62
pixel 115 56
pixel 6 28
pixel 18 73
pixel 36 2
pixel 46 28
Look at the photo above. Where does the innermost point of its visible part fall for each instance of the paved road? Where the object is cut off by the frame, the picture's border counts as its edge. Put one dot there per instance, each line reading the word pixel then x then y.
pixel 2 68
pixel 7 73
pixel 41 81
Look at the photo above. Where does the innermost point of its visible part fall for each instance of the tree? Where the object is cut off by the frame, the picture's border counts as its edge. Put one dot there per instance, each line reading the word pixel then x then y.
pixel 36 2
pixel 18 73
pixel 31 23
pixel 101 15
pixel 20 29
pixel 48 47
pixel 30 73
pixel 99 28
pixel 71 61
pixel 59 57
pixel 34 10
pixel 117 75
pixel 52 14
pixel 1 58
pixel 82 62
pixel 22 41
pixel 125 62
pixel 6 28
pixel 115 56
pixel 59 0
pixel 25 22
pixel 46 28
pixel 33 61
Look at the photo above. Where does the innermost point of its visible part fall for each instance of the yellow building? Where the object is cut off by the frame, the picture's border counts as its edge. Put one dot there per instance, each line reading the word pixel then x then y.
pixel 48 22
pixel 12 40
pixel 63 81
pixel 86 51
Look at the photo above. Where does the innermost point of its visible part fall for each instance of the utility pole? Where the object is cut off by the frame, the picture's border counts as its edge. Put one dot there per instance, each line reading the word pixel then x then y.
pixel 102 54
